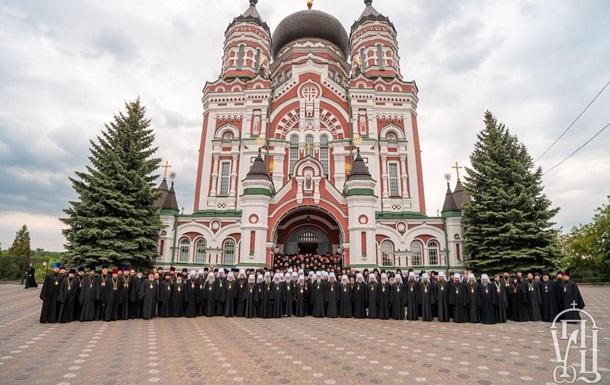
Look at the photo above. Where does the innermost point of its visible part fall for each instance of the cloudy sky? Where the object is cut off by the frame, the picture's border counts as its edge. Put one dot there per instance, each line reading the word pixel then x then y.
pixel 67 66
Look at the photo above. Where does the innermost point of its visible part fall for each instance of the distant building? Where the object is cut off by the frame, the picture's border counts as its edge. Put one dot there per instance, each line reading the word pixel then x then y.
pixel 304 151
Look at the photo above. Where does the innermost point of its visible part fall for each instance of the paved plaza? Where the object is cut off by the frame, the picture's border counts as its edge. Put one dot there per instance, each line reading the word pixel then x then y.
pixel 277 351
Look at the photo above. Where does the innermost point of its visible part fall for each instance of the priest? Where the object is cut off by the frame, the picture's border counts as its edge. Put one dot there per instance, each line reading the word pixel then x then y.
pixel 549 300
pixel 412 288
pixel 426 298
pixel 178 297
pixel 458 300
pixel 441 292
pixel 571 298
pixel 87 296
pixel 500 305
pixel 359 295
pixel 398 298
pixel 149 293
pixel 384 298
pixel 373 297
pixel 65 297
pixel 345 298
pixel 534 299
pixel 488 300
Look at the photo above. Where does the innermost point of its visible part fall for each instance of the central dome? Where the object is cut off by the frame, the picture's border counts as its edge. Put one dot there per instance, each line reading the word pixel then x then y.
pixel 310 23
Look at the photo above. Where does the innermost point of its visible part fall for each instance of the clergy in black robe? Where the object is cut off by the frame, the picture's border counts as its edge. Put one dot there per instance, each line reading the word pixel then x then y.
pixel 87 297
pixel 103 292
pixel 398 298
pixel 345 298
pixel 519 296
pixel 372 299
pixel 300 297
pixel 165 297
pixel 80 275
pixel 30 278
pixel 332 296
pixel 474 300
pixel 558 287
pixel 249 295
pixel 534 298
pixel 178 295
pixel 220 293
pixel 359 295
pixel 316 297
pixel 209 296
pixel 488 300
pixel 426 298
pixel 125 282
pixel 230 296
pixel 112 298
pixel 412 287
pixel 278 295
pixel 50 289
pixel 198 302
pixel 66 298
pixel 549 300
pixel 288 294
pixel 240 292
pixel 507 289
pixel 383 309
pixel 501 304
pixel 571 298
pixel 260 283
pixel 441 292
pixel 149 292
pixel 458 300
pixel 266 298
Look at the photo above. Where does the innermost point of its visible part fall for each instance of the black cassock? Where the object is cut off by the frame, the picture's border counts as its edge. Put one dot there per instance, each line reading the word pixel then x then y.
pixel 425 300
pixel 221 287
pixel 149 292
pixel 48 295
pixel 103 292
pixel 501 304
pixel 488 300
pixel 193 298
pixel 571 297
pixel 441 292
pixel 345 301
pixel 398 298
pixel 359 295
pixel 112 300
pixel 316 298
pixel 240 291
pixel 458 299
pixel 278 299
pixel 30 279
pixel 258 288
pixel 300 299
pixel 135 306
pixel 288 297
pixel 474 302
pixel 177 302
pixel 332 299
pixel 77 306
pixel 87 298
pixel 518 297
pixel 124 286
pixel 230 296
pixel 383 310
pixel 534 300
pixel 507 290
pixel 266 300
pixel 66 299
pixel 412 288
pixel 549 301
pixel 249 295
pixel 209 298
pixel 372 299
pixel 165 298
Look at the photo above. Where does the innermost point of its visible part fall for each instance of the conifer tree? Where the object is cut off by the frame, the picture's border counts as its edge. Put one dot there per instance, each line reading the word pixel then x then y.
pixel 508 223
pixel 113 220
pixel 21 249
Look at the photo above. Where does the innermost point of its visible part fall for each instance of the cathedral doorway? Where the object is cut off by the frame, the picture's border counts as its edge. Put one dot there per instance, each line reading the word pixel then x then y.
pixel 307 230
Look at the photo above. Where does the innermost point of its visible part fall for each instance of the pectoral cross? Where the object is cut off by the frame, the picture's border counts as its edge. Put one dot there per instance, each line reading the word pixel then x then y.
pixel 165 166
pixel 457 168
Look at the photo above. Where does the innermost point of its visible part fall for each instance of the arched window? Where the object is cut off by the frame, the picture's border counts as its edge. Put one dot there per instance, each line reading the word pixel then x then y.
pixel 308 237
pixel 184 251
pixel 391 137
pixel 309 145
pixel 324 153
pixel 294 151
pixel 200 246
pixel 387 253
pixel 416 253
pixel 227 136
pixel 228 252
pixel 433 252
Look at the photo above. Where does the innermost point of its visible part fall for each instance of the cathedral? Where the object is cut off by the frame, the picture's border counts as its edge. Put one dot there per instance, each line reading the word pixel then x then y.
pixel 310 145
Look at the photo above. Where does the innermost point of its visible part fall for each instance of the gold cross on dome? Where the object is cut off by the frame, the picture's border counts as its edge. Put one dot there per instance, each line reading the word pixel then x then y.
pixel 309 4
pixel 457 168
pixel 165 166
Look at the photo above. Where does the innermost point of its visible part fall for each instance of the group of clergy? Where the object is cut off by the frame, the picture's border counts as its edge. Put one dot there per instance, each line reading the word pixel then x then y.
pixel 308 262
pixel 126 294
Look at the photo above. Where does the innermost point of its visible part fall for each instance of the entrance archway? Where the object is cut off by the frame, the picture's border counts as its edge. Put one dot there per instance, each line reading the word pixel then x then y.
pixel 307 230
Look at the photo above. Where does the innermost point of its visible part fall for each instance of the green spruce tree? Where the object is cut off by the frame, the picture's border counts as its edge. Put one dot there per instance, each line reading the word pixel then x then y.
pixel 113 220
pixel 507 224
pixel 21 249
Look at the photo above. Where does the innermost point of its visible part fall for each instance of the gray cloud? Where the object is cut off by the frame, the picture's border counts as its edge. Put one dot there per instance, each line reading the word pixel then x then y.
pixel 66 67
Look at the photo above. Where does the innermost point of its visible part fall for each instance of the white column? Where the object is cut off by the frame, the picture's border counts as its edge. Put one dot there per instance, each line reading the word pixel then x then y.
pixel 214 174
pixel 403 176
pixel 384 175
pixel 233 175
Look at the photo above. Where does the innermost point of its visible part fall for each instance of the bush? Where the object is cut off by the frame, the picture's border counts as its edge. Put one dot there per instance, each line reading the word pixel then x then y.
pixel 10 268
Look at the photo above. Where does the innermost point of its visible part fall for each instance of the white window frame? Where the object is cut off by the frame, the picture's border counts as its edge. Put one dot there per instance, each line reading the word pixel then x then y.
pixel 225 259
pixel 394 179
pixel 184 249
pixel 224 178
pixel 387 253
pixel 420 259
pixel 433 246
pixel 199 256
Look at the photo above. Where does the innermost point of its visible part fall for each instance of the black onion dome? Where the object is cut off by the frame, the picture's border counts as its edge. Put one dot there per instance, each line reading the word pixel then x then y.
pixel 310 23
pixel 258 170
